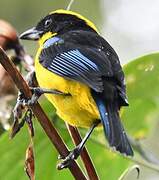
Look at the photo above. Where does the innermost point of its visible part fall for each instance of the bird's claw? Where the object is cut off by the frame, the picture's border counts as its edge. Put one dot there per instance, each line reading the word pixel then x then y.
pixel 67 161
pixel 36 93
pixel 30 102
pixel 60 157
pixel 18 110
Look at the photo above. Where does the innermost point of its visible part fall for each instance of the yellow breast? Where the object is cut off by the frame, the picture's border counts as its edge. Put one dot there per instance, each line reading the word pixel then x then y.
pixel 79 109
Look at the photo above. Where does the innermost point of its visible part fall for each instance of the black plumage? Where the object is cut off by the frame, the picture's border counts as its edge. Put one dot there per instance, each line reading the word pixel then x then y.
pixel 86 57
pixel 77 52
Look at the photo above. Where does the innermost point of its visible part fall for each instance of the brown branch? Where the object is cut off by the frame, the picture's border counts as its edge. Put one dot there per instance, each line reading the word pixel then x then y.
pixel 84 155
pixel 39 113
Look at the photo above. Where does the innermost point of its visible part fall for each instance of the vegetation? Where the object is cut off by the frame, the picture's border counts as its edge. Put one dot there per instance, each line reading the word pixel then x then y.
pixel 140 120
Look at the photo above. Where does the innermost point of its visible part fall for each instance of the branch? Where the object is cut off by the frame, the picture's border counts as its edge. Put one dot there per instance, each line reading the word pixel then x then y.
pixel 84 154
pixel 39 113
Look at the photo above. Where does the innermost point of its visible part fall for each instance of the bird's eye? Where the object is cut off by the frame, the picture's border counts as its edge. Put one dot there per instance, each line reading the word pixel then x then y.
pixel 48 22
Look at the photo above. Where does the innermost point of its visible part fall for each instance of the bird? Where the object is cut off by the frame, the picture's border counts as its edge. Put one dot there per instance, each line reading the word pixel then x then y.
pixel 81 75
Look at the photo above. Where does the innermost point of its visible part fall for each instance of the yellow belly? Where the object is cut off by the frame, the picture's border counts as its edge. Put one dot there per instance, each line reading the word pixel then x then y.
pixel 79 109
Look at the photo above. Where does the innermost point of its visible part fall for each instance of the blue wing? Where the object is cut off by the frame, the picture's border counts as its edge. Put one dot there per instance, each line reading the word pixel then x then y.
pixel 85 64
pixel 73 64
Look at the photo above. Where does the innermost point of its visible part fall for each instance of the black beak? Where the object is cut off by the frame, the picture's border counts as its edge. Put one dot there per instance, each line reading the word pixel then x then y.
pixel 31 34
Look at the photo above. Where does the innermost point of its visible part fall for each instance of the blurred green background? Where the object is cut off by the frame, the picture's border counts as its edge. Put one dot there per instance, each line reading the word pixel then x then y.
pixel 25 14
pixel 132 33
pixel 130 26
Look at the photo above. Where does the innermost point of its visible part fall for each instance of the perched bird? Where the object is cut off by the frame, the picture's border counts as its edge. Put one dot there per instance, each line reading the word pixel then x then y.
pixel 84 73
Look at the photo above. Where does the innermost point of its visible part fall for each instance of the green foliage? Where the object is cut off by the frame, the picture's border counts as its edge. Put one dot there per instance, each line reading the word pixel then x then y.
pixel 23 19
pixel 142 78
pixel 143 92
pixel 13 157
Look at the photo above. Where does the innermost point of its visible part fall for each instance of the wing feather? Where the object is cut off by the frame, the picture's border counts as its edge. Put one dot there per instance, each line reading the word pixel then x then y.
pixel 74 65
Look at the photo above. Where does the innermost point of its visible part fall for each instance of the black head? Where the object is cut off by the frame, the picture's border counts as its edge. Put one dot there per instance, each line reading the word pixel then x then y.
pixel 59 22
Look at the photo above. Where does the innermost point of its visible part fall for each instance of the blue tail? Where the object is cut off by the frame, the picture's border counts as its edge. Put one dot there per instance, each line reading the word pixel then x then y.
pixel 113 128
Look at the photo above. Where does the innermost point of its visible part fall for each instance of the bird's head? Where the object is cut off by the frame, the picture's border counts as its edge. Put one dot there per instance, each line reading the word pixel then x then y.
pixel 58 22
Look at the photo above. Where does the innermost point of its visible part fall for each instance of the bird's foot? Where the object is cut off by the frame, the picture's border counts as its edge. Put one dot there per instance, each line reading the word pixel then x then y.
pixel 26 118
pixel 37 92
pixel 18 114
pixel 67 161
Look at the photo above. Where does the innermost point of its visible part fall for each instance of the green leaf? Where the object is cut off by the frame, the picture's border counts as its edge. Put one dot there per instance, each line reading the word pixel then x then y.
pixel 142 78
pixel 13 154
pixel 142 86
pixel 13 157
pixel 109 165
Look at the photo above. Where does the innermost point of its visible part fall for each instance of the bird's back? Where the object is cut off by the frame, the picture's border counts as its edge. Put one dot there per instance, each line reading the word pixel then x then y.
pixel 78 108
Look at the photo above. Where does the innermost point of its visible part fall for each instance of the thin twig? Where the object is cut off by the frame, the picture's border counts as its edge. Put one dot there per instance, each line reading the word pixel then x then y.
pixel 84 155
pixel 39 113
pixel 128 170
pixel 69 5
